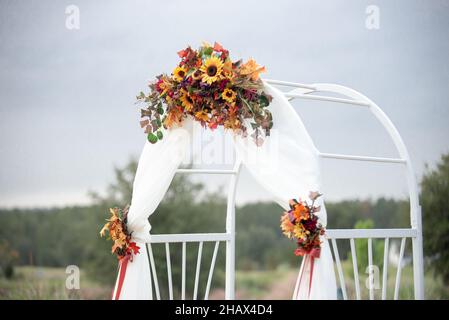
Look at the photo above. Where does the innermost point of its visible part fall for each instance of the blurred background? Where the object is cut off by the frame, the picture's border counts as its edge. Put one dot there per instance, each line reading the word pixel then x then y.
pixel 70 138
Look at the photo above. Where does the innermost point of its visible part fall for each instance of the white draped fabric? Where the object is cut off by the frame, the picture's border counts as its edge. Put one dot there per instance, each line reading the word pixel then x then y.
pixel 286 165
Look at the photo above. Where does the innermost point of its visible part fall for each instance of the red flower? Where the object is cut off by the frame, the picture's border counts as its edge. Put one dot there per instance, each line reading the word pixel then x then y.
pixel 300 252
pixel 133 247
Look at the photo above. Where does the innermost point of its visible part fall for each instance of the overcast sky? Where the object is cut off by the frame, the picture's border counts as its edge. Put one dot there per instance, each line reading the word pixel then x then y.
pixel 66 96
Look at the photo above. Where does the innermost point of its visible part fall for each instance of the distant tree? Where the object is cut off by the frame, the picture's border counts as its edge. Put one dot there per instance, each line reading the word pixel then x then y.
pixel 119 192
pixel 8 258
pixel 435 205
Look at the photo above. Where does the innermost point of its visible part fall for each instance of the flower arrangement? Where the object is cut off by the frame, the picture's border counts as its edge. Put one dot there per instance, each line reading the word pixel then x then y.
pixel 212 89
pixel 123 247
pixel 301 223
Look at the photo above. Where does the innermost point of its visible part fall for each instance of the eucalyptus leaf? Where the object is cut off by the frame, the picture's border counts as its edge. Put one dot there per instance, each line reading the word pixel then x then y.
pixel 152 138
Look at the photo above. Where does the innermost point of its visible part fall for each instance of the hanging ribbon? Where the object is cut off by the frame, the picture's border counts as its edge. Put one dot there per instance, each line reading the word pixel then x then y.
pixel 307 267
pixel 123 265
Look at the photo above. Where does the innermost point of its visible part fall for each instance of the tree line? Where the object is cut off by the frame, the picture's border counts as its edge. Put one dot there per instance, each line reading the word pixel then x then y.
pixel 65 236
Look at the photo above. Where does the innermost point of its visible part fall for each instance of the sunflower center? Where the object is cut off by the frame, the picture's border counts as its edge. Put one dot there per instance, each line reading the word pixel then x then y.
pixel 228 94
pixel 181 73
pixel 212 71
pixel 189 99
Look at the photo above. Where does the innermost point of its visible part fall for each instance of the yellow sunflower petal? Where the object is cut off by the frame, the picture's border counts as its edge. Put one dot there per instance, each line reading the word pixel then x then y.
pixel 212 69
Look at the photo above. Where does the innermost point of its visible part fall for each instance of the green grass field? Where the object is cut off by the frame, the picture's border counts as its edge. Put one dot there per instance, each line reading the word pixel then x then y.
pixel 42 283
pixel 49 283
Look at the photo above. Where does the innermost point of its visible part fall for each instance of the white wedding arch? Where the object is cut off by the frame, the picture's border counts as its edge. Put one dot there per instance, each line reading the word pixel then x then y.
pixel 309 92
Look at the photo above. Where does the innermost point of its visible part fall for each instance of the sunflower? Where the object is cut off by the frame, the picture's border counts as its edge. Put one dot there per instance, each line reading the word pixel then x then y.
pixel 186 101
pixel 212 69
pixel 202 115
pixel 179 73
pixel 197 75
pixel 229 95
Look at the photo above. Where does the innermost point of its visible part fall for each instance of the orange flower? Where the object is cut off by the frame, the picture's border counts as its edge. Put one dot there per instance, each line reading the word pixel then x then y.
pixel 300 212
pixel 232 123
pixel 286 226
pixel 202 116
pixel 174 117
pixel 227 70
pixel 251 69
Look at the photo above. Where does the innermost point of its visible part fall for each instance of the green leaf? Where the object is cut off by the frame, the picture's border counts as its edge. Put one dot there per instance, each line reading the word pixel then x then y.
pixel 141 95
pixel 208 51
pixel 159 135
pixel 160 109
pixel 263 101
pixel 152 138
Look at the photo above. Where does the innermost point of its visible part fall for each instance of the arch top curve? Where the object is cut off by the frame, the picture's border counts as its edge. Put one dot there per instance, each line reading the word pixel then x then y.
pixel 308 92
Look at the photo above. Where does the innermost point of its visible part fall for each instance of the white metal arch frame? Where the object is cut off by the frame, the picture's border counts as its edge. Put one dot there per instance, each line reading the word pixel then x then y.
pixel 303 91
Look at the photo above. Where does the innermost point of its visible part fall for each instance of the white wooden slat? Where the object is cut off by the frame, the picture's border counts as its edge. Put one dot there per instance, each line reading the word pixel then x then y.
pixel 340 270
pixel 289 84
pixel 151 274
pixel 153 271
pixel 360 158
pixel 370 233
pixel 197 272
pixel 188 237
pixel 330 233
pixel 183 285
pixel 211 270
pixel 325 98
pixel 356 269
pixel 385 270
pixel 206 171
pixel 399 270
pixel 370 268
pixel 169 275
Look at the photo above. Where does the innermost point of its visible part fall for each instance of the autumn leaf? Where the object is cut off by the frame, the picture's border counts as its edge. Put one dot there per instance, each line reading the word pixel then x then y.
pixel 251 69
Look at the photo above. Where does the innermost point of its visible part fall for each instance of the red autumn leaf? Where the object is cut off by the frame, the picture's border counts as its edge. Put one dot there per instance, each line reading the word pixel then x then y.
pixel 134 247
pixel 182 53
pixel 218 47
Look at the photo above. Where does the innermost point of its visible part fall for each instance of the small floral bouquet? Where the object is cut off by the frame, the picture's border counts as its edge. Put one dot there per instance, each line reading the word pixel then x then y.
pixel 123 247
pixel 212 89
pixel 301 223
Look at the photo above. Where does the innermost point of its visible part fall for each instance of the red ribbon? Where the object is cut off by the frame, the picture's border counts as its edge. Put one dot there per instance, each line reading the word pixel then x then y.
pixel 310 259
pixel 123 265
pixel 312 262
